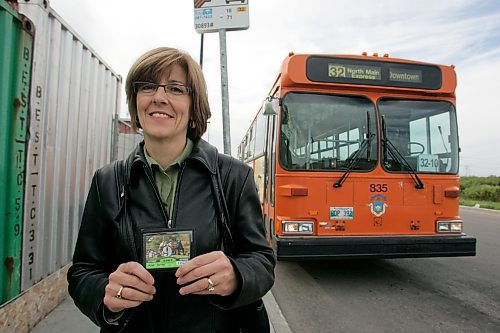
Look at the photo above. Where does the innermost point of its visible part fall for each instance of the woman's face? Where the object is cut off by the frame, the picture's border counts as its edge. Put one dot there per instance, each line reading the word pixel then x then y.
pixel 165 116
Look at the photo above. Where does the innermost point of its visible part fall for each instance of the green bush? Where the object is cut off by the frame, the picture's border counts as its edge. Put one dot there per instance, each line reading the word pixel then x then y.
pixel 480 188
pixel 482 192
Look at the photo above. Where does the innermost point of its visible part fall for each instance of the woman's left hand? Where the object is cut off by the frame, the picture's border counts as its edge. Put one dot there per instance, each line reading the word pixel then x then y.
pixel 210 273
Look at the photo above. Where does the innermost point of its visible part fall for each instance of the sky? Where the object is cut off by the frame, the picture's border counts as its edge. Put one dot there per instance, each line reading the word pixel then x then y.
pixel 465 33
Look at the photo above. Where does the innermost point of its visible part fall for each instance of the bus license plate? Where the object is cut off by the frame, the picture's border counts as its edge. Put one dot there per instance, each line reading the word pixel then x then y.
pixel 341 213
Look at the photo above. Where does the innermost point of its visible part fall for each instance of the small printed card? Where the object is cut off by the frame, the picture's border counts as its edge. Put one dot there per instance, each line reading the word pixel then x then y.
pixel 167 249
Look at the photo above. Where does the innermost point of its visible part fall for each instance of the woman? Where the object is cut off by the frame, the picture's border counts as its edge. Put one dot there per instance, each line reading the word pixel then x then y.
pixel 164 190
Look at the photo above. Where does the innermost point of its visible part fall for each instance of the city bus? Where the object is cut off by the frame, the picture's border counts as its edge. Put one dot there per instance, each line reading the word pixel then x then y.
pixel 357 156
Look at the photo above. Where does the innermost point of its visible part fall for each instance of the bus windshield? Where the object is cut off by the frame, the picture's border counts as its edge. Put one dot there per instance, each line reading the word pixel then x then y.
pixel 424 133
pixel 324 132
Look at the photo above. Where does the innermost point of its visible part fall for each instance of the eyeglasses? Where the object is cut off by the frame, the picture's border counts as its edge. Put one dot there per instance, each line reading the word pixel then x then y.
pixel 149 88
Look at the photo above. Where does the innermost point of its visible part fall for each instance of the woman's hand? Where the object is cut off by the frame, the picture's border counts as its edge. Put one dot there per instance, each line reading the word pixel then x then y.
pixel 128 286
pixel 210 273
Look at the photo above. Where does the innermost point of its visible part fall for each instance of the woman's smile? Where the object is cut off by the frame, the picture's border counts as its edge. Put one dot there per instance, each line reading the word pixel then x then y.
pixel 160 114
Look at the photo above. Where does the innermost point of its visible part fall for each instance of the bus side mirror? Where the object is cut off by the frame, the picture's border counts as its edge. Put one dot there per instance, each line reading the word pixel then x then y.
pixel 270 106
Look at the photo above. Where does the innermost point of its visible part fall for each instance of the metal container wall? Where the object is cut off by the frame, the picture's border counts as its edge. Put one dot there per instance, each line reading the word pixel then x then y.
pixel 125 139
pixel 74 98
pixel 15 75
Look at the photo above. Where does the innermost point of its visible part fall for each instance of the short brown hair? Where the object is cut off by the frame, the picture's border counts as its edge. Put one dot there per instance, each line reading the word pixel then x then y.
pixel 151 66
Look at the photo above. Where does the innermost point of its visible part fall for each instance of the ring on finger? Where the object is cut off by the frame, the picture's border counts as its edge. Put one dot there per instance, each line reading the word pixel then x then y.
pixel 211 286
pixel 119 293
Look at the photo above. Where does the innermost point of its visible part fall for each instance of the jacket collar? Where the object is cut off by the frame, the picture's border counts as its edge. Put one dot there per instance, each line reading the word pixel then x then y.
pixel 202 151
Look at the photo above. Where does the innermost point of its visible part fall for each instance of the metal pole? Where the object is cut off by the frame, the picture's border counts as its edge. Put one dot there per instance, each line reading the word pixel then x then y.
pixel 201 51
pixel 225 93
pixel 115 138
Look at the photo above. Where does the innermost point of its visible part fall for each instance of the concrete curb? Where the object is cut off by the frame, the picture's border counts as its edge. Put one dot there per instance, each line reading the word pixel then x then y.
pixel 495 211
pixel 278 321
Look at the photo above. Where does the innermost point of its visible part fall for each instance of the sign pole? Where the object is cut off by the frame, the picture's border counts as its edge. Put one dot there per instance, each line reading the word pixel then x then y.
pixel 221 16
pixel 201 51
pixel 225 92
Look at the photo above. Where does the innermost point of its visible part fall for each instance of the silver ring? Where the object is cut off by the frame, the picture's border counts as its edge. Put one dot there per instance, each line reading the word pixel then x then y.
pixel 119 293
pixel 210 286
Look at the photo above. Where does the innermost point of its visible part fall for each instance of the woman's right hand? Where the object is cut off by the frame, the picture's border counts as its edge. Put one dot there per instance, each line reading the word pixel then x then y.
pixel 128 286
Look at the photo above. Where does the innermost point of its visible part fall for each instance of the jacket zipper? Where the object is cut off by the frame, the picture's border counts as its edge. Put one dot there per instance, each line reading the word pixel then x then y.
pixel 170 225
pixel 165 215
pixel 158 198
pixel 177 190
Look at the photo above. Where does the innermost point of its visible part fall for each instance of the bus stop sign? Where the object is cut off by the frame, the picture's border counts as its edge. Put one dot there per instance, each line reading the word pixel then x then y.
pixel 214 15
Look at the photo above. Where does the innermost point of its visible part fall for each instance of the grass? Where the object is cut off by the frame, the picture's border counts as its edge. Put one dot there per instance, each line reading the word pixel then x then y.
pixel 482 204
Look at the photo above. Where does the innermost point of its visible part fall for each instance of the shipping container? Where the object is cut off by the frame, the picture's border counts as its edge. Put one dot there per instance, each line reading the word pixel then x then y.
pixel 16 50
pixel 58 102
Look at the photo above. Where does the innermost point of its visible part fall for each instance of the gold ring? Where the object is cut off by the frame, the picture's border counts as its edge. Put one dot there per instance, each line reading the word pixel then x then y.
pixel 210 286
pixel 119 293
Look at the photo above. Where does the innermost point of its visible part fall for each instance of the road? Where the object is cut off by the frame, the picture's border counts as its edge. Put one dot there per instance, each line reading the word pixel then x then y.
pixel 400 295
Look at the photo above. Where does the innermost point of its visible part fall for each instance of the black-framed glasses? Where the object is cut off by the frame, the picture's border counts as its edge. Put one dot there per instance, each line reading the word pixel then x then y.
pixel 172 89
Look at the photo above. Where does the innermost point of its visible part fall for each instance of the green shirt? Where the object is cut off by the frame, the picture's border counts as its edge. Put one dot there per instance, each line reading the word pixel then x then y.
pixel 166 180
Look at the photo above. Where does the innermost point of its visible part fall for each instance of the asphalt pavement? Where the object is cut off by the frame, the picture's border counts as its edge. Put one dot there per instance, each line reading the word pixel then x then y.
pixel 67 318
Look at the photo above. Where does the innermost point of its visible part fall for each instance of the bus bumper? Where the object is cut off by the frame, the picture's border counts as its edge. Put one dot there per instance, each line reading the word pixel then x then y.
pixel 317 248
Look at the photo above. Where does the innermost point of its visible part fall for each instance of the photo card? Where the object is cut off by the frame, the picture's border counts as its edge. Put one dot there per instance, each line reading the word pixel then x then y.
pixel 167 250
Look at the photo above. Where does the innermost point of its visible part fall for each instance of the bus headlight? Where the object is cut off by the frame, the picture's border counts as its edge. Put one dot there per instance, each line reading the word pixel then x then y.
pixel 298 227
pixel 454 226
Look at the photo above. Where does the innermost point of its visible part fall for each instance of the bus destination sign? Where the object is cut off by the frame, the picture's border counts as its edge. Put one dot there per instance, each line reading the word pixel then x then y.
pixel 370 72
pixel 354 71
pixel 405 75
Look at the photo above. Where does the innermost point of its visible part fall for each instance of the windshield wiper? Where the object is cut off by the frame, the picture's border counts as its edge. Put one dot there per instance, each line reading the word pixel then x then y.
pixel 365 144
pixel 389 148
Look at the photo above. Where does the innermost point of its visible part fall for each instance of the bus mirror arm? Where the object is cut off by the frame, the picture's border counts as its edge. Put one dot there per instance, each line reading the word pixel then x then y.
pixel 270 106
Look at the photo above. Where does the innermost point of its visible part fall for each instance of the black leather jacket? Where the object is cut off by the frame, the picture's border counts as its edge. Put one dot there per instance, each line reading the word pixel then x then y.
pixel 110 235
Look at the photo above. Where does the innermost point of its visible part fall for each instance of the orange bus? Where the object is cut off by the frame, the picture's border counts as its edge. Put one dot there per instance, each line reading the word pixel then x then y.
pixel 358 157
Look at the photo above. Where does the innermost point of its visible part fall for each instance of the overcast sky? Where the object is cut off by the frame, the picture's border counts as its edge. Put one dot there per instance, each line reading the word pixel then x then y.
pixel 465 33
